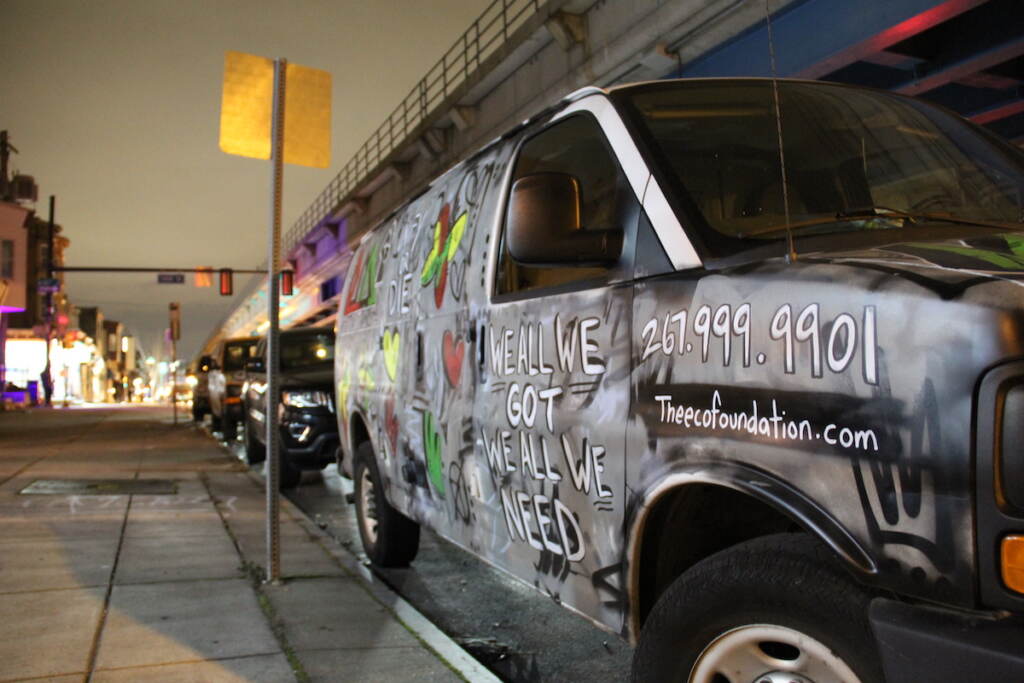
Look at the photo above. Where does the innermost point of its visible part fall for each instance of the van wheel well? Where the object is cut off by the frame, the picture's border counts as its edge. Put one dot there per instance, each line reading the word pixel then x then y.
pixel 694 522
pixel 359 432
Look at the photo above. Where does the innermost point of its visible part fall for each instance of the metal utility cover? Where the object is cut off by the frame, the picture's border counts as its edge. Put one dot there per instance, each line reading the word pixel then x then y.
pixel 246 106
pixel 101 487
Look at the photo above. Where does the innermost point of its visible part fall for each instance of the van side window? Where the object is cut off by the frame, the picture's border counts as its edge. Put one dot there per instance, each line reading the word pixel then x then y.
pixel 577 147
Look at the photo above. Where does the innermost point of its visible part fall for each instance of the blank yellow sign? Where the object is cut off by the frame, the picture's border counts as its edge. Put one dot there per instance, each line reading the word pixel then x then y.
pixel 246 108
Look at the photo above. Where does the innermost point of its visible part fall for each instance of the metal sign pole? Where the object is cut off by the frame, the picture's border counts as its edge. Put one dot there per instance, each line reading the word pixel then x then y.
pixel 174 379
pixel 273 273
pixel 174 310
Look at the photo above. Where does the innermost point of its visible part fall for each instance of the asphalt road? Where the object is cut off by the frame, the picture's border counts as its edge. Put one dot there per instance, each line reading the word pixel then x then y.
pixel 516 631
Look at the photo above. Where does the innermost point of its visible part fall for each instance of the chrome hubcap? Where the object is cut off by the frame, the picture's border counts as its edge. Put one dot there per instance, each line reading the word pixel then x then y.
pixel 766 653
pixel 368 506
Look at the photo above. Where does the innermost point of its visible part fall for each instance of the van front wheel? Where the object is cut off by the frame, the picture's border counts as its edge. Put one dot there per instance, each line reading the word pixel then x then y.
pixel 390 539
pixel 774 608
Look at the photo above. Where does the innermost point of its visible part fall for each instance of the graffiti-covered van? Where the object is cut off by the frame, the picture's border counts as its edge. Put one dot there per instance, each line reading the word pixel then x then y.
pixel 734 368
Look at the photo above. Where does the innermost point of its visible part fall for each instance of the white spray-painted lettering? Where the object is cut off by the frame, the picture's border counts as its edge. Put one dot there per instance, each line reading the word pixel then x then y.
pixel 522 352
pixel 830 343
pixel 771 424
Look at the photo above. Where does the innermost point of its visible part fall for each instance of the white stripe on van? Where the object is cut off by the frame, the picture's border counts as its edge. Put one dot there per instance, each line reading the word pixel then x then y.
pixel 666 224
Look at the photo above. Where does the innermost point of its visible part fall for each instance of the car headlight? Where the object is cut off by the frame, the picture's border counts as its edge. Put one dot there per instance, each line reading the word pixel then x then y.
pixel 304 399
pixel 191 380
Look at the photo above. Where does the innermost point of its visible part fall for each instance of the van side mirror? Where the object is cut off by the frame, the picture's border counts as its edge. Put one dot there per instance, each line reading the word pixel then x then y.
pixel 255 365
pixel 543 224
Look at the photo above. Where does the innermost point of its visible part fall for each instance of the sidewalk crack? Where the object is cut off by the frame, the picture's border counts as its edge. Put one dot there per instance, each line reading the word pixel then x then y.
pixel 101 624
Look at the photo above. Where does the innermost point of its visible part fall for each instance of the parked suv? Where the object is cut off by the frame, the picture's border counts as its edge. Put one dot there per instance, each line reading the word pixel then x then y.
pixel 760 411
pixel 308 428
pixel 225 383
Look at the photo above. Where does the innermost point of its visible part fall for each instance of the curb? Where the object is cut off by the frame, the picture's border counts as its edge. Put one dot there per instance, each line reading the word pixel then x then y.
pixel 434 638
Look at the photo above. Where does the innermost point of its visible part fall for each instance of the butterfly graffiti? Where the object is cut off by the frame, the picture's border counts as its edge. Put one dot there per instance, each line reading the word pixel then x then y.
pixel 447 238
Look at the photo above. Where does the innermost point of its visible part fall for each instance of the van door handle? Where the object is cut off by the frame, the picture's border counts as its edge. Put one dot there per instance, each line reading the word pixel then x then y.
pixel 419 353
pixel 481 348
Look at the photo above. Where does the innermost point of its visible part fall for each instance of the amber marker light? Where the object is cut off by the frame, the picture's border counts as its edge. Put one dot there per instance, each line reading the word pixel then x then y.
pixel 1012 553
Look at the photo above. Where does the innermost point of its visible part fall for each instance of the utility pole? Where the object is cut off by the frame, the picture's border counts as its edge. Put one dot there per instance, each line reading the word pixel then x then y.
pixel 48 304
pixel 5 154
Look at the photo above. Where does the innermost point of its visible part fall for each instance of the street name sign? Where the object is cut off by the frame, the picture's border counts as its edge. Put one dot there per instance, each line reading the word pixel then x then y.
pixel 170 278
pixel 48 285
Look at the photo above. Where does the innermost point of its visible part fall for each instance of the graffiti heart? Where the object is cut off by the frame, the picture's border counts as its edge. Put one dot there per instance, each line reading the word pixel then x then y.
pixel 446 242
pixel 391 423
pixel 343 386
pixel 433 447
pixel 390 344
pixel 454 351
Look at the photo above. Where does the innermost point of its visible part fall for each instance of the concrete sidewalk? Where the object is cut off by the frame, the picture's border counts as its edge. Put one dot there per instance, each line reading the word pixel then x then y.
pixel 156 573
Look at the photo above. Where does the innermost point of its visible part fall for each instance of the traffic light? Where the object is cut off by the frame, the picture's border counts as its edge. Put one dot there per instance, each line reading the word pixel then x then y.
pixel 226 285
pixel 287 279
pixel 204 276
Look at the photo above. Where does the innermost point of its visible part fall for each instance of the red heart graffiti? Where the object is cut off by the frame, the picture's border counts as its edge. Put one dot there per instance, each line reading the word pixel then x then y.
pixel 454 352
pixel 391 423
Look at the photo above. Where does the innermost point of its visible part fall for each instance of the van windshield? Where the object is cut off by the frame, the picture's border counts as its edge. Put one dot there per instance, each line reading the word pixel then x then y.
pixel 855 159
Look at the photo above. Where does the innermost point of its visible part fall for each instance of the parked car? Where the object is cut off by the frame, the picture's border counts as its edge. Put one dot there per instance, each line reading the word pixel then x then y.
pixel 225 378
pixel 761 415
pixel 307 426
pixel 198 379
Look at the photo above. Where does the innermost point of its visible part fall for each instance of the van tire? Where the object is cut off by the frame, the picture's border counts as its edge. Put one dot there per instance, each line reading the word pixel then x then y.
pixel 780 585
pixel 390 539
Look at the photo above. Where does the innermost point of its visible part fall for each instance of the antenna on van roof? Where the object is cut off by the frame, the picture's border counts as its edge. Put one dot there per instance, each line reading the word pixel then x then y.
pixel 791 255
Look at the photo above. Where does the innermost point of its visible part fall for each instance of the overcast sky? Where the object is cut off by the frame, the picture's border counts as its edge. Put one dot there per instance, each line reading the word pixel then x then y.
pixel 114 106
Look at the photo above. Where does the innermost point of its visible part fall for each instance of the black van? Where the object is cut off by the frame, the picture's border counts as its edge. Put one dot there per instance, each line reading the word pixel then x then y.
pixel 762 416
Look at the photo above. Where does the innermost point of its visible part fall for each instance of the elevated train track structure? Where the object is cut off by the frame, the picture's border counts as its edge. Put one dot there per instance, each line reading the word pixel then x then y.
pixel 522 55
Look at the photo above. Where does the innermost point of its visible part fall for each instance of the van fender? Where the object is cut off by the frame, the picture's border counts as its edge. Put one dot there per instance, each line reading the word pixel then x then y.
pixel 760 485
pixel 360 429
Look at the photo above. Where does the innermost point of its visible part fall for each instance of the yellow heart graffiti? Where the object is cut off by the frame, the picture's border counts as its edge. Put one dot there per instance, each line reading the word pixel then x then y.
pixel 391 343
pixel 343 386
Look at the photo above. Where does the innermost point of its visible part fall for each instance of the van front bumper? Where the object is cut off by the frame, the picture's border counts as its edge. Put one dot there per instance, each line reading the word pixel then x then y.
pixel 923 643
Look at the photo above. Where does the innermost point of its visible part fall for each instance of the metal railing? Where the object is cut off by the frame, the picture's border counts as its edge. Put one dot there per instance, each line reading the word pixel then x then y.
pixel 484 37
